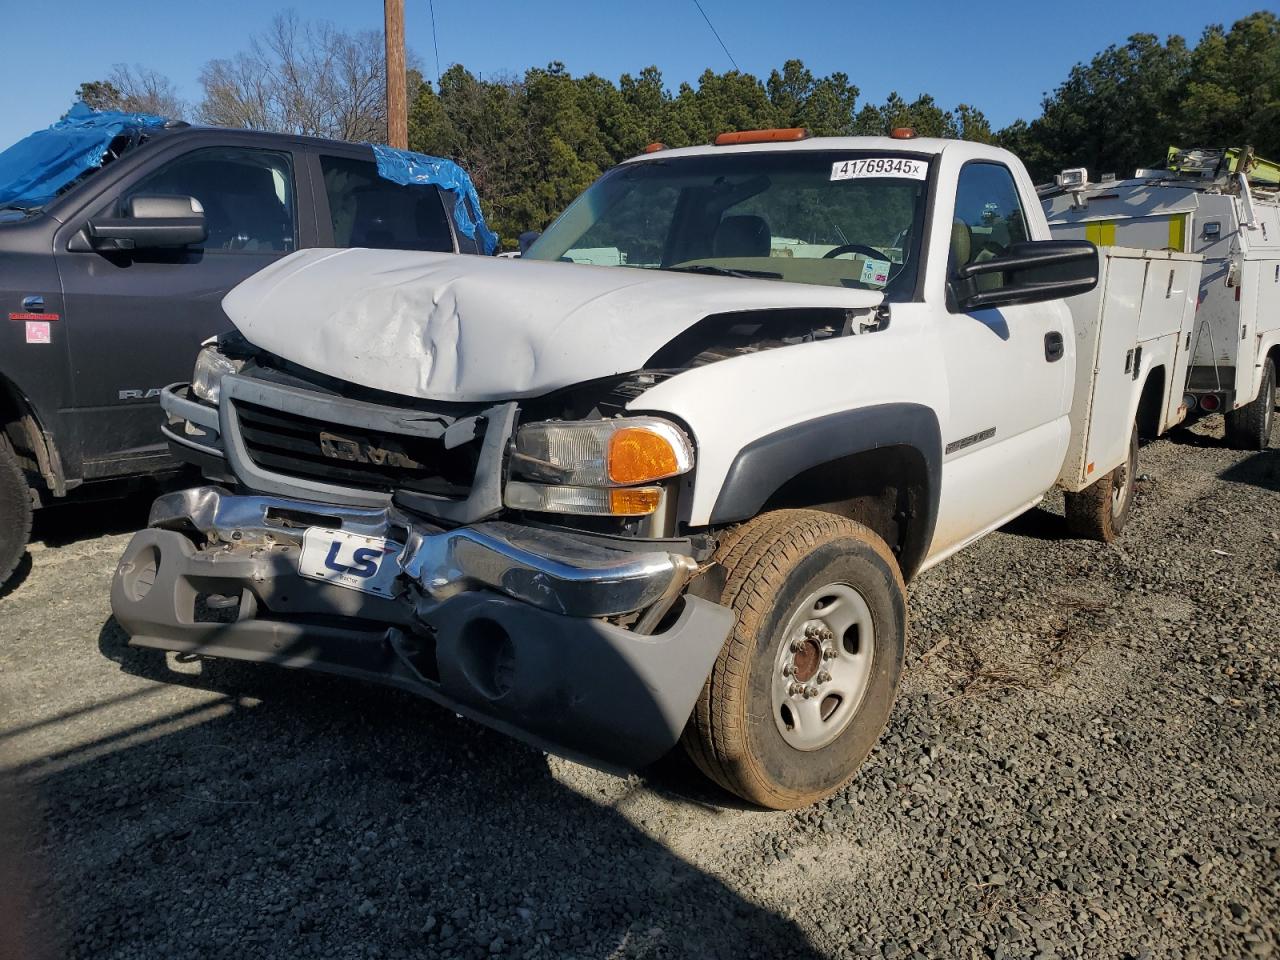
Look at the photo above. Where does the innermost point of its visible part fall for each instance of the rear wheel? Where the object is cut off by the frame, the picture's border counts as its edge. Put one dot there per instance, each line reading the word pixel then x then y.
pixel 15 510
pixel 1249 428
pixel 806 681
pixel 1100 511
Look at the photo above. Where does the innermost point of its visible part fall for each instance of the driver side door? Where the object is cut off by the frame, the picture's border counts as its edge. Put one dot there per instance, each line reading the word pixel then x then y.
pixel 135 320
pixel 1009 372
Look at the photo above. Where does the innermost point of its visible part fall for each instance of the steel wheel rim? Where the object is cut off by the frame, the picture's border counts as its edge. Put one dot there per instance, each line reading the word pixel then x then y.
pixel 814 705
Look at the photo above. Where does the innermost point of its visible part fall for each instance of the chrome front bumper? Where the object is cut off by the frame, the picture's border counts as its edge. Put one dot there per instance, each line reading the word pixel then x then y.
pixel 503 623
pixel 550 569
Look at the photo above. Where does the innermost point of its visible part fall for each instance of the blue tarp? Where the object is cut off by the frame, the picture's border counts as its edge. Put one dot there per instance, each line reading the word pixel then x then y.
pixel 34 169
pixel 408 168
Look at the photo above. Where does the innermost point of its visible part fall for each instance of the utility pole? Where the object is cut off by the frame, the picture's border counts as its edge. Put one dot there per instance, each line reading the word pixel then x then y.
pixel 397 109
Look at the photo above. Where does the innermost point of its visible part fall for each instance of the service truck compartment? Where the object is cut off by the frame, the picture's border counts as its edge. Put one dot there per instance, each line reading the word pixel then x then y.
pixel 1134 323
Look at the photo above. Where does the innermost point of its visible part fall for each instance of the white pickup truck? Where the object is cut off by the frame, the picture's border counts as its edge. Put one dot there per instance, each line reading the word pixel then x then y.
pixel 609 508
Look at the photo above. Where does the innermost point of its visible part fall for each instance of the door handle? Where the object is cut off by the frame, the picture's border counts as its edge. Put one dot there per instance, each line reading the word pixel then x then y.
pixel 1053 348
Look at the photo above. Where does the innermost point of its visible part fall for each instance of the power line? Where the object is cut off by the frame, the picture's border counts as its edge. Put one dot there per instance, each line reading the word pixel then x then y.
pixel 717 36
pixel 434 45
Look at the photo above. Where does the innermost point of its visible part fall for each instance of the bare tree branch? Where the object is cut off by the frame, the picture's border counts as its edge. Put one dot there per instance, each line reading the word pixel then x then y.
pixel 308 78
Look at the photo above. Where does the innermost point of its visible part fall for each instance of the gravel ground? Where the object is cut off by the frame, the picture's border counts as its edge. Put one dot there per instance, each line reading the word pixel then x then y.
pixel 1083 763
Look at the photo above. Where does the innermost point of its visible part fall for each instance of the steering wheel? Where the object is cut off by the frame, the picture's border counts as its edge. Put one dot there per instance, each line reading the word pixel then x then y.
pixel 861 248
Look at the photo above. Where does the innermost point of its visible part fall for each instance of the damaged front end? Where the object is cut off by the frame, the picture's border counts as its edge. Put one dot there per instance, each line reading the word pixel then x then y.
pixel 379 541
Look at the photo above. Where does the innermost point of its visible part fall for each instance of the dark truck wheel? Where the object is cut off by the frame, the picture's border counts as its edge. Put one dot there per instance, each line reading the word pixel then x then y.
pixel 1100 511
pixel 15 510
pixel 1249 428
pixel 806 681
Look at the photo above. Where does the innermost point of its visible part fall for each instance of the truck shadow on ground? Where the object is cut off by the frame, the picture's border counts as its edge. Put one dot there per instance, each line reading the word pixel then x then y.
pixel 65 522
pixel 302 813
pixel 1039 524
pixel 1261 469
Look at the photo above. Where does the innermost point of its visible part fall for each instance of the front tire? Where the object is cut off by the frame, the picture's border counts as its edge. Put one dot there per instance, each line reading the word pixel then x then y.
pixel 15 510
pixel 807 679
pixel 1101 510
pixel 1249 428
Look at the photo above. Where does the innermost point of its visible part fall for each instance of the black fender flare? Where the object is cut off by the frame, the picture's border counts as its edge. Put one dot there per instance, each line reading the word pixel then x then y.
pixel 761 467
pixel 26 419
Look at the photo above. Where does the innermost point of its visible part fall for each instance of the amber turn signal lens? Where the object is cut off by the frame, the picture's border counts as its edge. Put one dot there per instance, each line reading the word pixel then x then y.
pixel 637 454
pixel 634 501
pixel 786 135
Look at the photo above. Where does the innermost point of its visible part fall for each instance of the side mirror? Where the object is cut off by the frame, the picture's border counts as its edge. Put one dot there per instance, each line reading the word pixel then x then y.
pixel 150 223
pixel 1030 272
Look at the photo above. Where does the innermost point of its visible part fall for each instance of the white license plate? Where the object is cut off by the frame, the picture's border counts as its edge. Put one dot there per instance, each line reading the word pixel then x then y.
pixel 351 560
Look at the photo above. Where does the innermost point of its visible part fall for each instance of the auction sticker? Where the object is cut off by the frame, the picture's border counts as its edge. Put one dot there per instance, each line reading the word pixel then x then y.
pixel 875 272
pixel 38 331
pixel 867 167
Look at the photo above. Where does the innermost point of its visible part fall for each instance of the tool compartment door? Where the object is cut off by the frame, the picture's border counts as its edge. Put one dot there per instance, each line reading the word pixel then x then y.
pixel 1106 338
pixel 1164 327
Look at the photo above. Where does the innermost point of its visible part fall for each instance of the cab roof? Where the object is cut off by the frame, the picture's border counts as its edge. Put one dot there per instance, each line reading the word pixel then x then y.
pixel 929 146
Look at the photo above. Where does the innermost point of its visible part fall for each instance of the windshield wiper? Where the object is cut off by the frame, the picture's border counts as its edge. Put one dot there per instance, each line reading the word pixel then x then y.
pixel 725 272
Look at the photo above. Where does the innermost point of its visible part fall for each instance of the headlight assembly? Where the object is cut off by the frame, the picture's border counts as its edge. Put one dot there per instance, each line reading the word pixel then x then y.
pixel 211 366
pixel 596 466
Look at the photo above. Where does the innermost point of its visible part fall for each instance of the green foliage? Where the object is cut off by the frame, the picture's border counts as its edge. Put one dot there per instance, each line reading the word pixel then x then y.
pixel 99 95
pixel 533 143
pixel 1126 106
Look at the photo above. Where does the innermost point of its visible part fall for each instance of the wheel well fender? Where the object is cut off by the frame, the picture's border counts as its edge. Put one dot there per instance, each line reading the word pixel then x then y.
pixel 20 423
pixel 1150 413
pixel 880 465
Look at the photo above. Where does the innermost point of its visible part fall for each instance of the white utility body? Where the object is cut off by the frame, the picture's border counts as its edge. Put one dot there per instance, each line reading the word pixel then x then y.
pixel 1230 221
pixel 1136 319
pixel 577 493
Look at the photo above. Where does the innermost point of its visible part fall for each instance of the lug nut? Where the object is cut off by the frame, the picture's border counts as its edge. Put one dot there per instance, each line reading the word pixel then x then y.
pixel 797 646
pixel 823 677
pixel 810 692
pixel 796 689
pixel 828 654
pixel 788 669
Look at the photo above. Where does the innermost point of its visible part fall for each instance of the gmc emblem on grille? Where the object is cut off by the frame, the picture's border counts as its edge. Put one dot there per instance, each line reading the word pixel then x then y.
pixel 361 451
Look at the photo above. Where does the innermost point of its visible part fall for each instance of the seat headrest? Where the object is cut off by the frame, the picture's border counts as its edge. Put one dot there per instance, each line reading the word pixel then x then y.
pixel 741 236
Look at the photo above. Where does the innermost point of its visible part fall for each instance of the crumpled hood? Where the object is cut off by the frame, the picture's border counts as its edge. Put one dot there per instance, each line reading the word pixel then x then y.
pixel 465 328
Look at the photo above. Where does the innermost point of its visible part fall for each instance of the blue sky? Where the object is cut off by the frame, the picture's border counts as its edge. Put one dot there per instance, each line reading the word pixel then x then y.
pixel 1001 56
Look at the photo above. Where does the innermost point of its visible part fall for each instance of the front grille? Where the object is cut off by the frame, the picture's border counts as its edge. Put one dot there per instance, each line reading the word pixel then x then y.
pixel 317 450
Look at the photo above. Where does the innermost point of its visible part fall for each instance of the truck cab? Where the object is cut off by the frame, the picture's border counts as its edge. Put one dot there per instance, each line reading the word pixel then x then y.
pixel 662 479
pixel 107 298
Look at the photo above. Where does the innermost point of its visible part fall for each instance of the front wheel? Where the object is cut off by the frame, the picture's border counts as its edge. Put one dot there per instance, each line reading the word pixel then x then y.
pixel 1249 428
pixel 1101 511
pixel 806 681
pixel 15 510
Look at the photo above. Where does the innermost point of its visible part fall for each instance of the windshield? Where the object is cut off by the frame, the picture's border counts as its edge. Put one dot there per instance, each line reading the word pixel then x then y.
pixel 838 218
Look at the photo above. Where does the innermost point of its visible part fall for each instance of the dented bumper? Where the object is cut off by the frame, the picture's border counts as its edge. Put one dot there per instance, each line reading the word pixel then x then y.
pixel 500 622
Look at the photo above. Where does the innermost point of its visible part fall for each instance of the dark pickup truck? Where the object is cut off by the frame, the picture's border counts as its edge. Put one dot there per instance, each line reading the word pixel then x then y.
pixel 110 283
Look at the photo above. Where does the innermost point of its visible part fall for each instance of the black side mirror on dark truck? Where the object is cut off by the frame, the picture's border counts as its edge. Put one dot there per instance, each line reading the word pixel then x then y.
pixel 1030 272
pixel 149 223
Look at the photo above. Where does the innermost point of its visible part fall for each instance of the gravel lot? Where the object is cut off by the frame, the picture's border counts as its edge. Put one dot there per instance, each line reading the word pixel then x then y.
pixel 1084 762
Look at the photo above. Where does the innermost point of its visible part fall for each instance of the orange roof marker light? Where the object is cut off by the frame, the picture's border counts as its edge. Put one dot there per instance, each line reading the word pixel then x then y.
pixel 655 147
pixel 903 133
pixel 785 135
